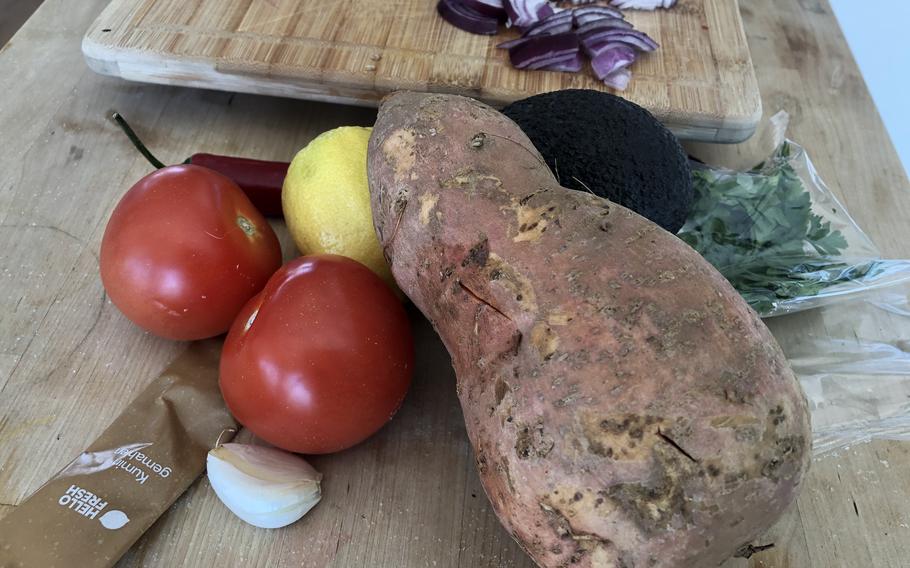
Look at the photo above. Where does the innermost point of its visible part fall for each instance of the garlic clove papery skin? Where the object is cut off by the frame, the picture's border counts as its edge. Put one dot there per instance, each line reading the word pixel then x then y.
pixel 266 487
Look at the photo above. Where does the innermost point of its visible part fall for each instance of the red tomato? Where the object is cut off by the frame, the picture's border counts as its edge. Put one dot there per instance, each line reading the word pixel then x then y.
pixel 320 359
pixel 184 250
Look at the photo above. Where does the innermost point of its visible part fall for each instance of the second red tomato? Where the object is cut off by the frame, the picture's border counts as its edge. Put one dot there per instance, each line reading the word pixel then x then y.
pixel 320 359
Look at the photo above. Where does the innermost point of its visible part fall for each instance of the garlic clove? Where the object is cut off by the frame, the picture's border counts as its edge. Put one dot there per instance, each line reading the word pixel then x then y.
pixel 266 487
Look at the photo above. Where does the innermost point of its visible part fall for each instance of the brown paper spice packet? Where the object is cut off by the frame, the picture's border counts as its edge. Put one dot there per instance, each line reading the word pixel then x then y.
pixel 90 513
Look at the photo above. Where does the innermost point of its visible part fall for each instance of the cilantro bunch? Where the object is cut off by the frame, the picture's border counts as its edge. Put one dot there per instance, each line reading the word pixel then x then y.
pixel 758 229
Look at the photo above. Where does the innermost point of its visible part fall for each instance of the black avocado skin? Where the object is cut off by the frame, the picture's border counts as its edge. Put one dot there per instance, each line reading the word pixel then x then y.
pixel 600 142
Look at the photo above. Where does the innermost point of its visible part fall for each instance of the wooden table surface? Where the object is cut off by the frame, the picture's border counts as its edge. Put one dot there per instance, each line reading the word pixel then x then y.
pixel 69 362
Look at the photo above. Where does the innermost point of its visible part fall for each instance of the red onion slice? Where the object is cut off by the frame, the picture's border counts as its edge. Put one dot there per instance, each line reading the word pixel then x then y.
pixel 633 38
pixel 558 23
pixel 525 13
pixel 619 79
pixel 536 52
pixel 582 20
pixel 643 4
pixel 603 24
pixel 595 49
pixel 586 12
pixel 512 43
pixel 550 29
pixel 571 64
pixel 462 17
pixel 609 61
pixel 491 8
pixel 557 16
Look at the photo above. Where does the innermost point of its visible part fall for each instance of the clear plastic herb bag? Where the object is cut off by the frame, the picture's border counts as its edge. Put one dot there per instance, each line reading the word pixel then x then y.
pixel 780 236
pixel 853 361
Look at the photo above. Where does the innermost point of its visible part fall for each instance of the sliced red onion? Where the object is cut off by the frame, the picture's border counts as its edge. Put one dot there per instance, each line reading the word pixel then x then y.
pixel 609 61
pixel 537 52
pixel 603 24
pixel 595 49
pixel 633 38
pixel 525 13
pixel 512 43
pixel 587 19
pixel 557 15
pixel 462 17
pixel 550 29
pixel 619 79
pixel 571 64
pixel 642 4
pixel 553 39
pixel 558 23
pixel 603 10
pixel 587 12
pixel 491 8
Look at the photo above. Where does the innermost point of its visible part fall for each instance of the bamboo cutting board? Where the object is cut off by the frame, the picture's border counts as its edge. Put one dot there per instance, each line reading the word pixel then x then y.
pixel 700 82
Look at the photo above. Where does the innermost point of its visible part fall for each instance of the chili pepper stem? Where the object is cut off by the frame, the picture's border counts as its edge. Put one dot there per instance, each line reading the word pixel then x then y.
pixel 137 143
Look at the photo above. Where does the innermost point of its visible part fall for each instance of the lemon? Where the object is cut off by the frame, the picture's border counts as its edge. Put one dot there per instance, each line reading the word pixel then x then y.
pixel 326 199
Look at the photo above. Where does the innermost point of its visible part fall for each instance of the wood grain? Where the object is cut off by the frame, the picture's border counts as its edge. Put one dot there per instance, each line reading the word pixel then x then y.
pixel 69 362
pixel 700 82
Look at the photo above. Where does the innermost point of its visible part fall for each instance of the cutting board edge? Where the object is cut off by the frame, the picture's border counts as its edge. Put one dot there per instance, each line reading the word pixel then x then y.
pixel 144 67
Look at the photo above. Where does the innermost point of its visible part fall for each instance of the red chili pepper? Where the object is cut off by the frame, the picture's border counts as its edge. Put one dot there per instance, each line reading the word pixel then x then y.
pixel 260 180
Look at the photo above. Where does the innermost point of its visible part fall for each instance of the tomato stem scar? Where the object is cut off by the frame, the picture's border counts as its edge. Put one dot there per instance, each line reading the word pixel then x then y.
pixel 245 224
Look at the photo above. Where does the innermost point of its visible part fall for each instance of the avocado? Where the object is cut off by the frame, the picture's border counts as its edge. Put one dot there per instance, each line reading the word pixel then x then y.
pixel 598 142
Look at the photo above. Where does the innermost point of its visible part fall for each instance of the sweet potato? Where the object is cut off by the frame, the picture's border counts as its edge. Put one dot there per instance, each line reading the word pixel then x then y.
pixel 626 407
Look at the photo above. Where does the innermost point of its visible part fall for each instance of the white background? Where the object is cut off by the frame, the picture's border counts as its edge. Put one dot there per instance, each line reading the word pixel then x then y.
pixel 878 32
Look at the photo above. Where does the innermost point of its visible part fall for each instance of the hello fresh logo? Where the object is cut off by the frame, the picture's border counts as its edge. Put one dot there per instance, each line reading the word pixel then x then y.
pixel 89 505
